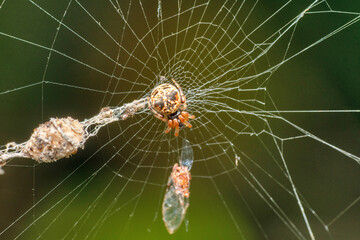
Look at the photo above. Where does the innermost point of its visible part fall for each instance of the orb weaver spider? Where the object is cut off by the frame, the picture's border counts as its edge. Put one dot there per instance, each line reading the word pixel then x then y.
pixel 168 103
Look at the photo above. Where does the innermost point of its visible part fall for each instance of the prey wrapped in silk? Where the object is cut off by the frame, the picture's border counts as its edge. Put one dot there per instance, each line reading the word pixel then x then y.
pixel 176 200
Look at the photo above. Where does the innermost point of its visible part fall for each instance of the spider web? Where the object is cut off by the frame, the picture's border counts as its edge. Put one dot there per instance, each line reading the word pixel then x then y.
pixel 273 89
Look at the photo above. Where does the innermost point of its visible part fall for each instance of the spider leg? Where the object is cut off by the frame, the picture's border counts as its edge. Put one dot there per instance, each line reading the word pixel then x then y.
pixel 181 118
pixel 187 124
pixel 184 117
pixel 187 115
pixel 183 101
pixel 159 116
pixel 170 126
pixel 178 86
pixel 182 96
pixel 191 116
pixel 176 124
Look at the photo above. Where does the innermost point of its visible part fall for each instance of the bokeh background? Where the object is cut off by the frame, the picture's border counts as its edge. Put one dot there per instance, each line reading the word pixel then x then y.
pixel 325 76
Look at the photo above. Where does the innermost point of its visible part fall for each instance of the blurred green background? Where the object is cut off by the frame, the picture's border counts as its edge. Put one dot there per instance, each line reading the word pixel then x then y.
pixel 79 190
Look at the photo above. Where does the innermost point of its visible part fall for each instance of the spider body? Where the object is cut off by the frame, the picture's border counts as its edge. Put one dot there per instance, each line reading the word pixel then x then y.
pixel 165 99
pixel 168 103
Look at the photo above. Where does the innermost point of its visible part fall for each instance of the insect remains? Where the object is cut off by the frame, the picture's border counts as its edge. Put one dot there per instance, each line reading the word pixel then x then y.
pixel 176 200
pixel 52 140
pixel 168 103
pixel 62 137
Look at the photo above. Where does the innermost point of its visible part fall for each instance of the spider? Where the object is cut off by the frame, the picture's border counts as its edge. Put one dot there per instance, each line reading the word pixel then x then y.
pixel 168 103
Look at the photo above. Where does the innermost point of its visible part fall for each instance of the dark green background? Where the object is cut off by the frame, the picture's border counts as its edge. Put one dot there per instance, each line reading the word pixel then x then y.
pixel 324 77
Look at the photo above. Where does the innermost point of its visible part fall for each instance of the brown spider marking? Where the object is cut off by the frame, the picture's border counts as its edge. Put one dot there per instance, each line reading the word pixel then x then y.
pixel 168 103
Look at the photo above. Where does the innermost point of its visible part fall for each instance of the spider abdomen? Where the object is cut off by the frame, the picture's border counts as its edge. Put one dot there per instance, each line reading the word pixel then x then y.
pixel 168 103
pixel 165 99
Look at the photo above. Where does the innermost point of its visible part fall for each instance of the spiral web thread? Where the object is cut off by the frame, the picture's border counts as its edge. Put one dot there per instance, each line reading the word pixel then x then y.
pixel 225 57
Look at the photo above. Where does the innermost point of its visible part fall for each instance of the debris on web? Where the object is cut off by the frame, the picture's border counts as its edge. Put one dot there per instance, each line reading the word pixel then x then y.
pixel 55 139
pixel 176 199
pixel 62 137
